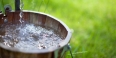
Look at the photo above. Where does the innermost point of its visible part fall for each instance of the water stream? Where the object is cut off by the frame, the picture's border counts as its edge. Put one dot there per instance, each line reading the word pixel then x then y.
pixel 21 12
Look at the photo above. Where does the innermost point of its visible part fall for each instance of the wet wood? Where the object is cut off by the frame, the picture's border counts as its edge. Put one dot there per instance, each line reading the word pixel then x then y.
pixel 62 31
pixel 1 19
pixel 16 18
pixel 9 54
pixel 10 17
pixel 41 19
pixel 26 17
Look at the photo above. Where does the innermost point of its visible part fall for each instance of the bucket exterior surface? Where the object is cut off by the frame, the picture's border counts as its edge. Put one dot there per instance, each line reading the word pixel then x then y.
pixel 43 20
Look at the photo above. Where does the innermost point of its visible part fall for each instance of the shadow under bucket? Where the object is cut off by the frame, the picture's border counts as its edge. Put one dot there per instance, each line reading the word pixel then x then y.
pixel 43 20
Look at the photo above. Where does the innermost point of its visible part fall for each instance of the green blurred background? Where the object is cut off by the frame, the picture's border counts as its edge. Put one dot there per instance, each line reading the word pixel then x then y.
pixel 93 22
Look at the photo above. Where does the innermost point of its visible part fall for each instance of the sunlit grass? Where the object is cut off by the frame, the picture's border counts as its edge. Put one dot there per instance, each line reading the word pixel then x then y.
pixel 93 22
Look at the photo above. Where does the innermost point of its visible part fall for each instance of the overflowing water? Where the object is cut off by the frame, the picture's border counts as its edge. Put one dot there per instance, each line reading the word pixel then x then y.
pixel 29 37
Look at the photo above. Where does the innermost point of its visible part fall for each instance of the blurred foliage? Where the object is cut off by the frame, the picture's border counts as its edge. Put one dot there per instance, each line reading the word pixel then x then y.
pixel 93 22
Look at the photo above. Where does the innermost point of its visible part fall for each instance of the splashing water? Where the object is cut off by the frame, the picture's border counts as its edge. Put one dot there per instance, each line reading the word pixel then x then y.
pixel 29 37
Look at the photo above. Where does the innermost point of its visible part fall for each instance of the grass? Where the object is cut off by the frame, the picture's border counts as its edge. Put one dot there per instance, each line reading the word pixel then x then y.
pixel 93 22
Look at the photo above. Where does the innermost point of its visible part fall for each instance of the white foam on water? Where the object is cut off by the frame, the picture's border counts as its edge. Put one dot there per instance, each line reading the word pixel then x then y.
pixel 30 37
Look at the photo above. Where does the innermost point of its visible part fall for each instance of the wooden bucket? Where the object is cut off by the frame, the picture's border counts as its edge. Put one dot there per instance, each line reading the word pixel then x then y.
pixel 44 20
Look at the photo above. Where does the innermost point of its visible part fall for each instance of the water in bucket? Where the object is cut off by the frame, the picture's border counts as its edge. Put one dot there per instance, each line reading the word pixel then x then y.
pixel 29 37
